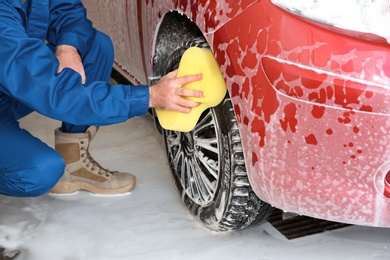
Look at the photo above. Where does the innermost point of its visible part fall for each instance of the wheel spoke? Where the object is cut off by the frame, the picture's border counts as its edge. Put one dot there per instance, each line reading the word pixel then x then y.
pixel 210 144
pixel 202 127
pixel 180 166
pixel 208 188
pixel 203 192
pixel 210 165
pixel 174 147
pixel 173 139
pixel 204 123
pixel 192 184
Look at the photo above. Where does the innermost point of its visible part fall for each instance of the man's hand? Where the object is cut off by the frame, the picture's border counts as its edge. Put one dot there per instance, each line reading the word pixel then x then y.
pixel 69 57
pixel 168 93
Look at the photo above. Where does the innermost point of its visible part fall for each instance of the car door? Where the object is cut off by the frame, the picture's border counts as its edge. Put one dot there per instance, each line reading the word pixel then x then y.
pixel 119 20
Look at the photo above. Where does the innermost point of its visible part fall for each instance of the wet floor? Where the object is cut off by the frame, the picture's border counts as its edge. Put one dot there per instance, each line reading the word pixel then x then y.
pixel 150 223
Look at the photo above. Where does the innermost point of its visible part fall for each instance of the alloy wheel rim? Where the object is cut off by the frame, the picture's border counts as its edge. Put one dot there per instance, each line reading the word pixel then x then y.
pixel 195 158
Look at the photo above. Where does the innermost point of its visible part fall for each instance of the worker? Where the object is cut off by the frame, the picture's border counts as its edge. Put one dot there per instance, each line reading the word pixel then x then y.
pixel 54 62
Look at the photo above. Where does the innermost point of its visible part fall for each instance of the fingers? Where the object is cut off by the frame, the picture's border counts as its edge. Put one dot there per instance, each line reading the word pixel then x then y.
pixel 186 92
pixel 184 106
pixel 189 78
pixel 180 81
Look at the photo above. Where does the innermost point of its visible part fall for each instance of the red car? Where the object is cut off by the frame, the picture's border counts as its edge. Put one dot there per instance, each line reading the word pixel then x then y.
pixel 305 125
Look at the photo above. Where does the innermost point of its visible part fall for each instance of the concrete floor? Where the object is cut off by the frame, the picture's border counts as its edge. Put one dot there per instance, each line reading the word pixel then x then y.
pixel 150 223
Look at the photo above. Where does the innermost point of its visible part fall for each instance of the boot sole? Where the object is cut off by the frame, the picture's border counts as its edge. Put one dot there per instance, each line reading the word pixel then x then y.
pixel 64 187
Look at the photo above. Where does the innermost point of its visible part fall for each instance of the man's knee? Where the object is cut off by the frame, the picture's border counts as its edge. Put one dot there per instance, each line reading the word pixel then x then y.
pixel 104 47
pixel 104 40
pixel 38 178
pixel 99 59
pixel 47 175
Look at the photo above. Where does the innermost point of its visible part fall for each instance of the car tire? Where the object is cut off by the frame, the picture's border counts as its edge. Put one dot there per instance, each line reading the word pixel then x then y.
pixel 208 167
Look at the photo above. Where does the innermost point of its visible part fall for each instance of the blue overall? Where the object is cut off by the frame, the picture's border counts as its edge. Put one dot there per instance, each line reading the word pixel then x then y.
pixel 30 30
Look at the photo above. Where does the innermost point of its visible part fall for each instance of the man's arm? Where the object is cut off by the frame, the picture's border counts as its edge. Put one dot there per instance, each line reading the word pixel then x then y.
pixel 29 74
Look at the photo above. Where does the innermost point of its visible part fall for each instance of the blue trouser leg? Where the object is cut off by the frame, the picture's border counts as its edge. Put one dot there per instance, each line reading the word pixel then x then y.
pixel 28 167
pixel 97 65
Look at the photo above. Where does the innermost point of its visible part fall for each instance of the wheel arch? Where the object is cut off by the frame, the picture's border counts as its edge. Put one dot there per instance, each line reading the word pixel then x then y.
pixel 174 28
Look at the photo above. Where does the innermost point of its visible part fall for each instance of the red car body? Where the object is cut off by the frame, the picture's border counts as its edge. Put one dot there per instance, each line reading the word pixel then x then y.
pixel 311 100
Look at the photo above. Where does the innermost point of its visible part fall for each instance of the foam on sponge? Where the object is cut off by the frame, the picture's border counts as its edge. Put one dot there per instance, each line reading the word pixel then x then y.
pixel 196 60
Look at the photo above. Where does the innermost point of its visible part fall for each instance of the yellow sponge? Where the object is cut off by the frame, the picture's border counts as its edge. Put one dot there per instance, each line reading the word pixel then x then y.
pixel 196 60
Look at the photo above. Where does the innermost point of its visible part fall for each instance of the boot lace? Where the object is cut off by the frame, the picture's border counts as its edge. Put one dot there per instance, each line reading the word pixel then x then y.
pixel 91 164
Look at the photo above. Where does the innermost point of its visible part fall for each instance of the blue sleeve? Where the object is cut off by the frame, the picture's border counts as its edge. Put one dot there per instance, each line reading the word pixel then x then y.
pixel 69 25
pixel 28 73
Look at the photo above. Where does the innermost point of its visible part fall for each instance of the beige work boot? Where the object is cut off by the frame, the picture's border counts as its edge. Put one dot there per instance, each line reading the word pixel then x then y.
pixel 82 172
